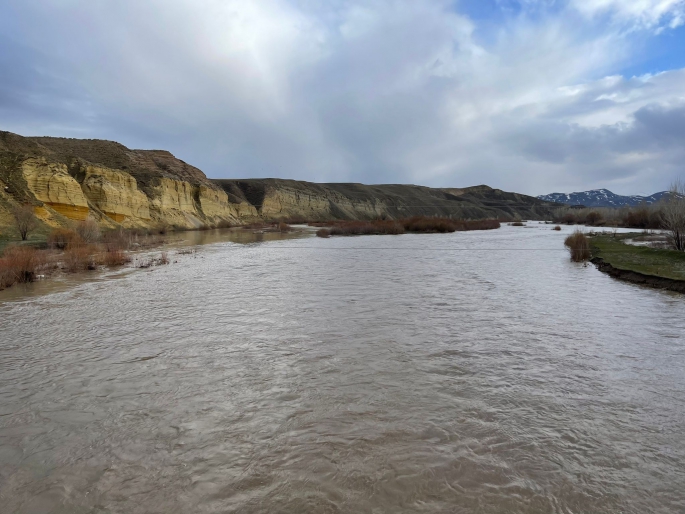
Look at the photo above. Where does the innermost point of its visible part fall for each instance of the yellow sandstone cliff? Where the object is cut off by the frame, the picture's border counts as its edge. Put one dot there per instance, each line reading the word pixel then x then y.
pixel 52 185
pixel 116 194
pixel 70 179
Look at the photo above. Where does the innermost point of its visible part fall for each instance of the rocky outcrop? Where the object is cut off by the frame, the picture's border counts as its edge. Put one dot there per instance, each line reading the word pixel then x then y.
pixel 71 179
pixel 52 185
pixel 115 193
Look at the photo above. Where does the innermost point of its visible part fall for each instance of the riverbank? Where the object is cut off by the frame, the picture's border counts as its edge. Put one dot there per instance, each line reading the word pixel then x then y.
pixel 654 267
pixel 71 252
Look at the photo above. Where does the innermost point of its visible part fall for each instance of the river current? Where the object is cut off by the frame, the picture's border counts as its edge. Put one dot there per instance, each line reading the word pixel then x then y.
pixel 474 372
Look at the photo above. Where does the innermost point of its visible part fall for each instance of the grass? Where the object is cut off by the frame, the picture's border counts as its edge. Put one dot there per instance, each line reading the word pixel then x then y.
pixel 641 259
pixel 579 246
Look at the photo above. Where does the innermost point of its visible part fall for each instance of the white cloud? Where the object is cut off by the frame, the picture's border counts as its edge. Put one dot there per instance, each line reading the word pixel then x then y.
pixel 374 91
pixel 643 13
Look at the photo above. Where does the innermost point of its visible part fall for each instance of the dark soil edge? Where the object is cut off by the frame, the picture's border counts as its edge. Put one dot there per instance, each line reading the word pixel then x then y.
pixel 638 278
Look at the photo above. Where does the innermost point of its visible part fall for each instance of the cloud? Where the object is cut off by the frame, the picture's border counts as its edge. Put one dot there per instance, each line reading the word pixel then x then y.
pixel 644 13
pixel 373 91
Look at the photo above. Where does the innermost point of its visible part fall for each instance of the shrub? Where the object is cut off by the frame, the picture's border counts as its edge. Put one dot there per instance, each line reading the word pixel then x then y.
pixel 115 240
pixel 20 264
pixel 89 231
pixel 25 220
pixel 322 232
pixel 593 218
pixel 579 246
pixel 557 228
pixel 60 238
pixel 224 224
pixel 517 224
pixel 424 224
pixel 569 218
pixel 80 257
pixel 115 258
pixel 284 227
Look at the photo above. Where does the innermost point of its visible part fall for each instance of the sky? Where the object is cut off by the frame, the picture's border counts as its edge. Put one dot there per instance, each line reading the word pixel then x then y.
pixel 533 96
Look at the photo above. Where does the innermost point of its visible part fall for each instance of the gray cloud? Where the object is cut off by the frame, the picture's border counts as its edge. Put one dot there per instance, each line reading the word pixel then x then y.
pixel 380 91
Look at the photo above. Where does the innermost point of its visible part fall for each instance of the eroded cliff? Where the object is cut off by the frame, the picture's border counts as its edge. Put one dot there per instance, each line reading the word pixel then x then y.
pixel 73 179
pixel 277 198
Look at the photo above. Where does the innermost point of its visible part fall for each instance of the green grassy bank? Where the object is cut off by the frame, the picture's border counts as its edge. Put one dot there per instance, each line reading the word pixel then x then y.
pixel 612 250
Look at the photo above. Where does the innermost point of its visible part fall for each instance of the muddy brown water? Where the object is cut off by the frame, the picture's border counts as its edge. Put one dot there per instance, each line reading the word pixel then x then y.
pixel 478 372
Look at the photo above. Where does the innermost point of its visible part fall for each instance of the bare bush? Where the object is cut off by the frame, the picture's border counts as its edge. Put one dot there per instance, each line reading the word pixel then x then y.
pixel 20 264
pixel 89 231
pixel 119 239
pixel 80 257
pixel 60 238
pixel 673 215
pixel 25 220
pixel 115 258
pixel 557 228
pixel 593 218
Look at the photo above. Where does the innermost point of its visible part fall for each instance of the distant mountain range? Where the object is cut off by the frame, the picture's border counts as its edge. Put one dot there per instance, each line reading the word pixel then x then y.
pixel 602 198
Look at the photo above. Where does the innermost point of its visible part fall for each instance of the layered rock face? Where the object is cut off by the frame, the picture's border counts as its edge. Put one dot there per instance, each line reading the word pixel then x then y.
pixel 51 184
pixel 70 179
pixel 115 193
pixel 277 198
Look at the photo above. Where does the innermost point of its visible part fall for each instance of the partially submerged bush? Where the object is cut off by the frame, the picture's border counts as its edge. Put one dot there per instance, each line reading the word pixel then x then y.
pixel 116 240
pixel 115 258
pixel 557 228
pixel 284 227
pixel 322 232
pixel 20 264
pixel 517 224
pixel 417 224
pixel 579 246
pixel 80 257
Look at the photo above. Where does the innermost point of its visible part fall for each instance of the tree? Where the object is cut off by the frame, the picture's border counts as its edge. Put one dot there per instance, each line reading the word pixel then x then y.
pixel 673 215
pixel 24 219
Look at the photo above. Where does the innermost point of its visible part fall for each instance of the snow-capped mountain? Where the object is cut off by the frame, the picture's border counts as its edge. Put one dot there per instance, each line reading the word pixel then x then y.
pixel 602 198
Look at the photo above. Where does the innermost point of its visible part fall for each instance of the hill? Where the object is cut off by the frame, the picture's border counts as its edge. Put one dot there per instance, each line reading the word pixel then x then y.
pixel 279 198
pixel 73 179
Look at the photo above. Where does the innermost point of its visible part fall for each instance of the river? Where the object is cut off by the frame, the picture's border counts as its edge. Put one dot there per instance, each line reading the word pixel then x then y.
pixel 474 372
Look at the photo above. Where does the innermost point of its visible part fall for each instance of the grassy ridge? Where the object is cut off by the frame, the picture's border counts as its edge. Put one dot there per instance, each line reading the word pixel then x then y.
pixel 647 261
